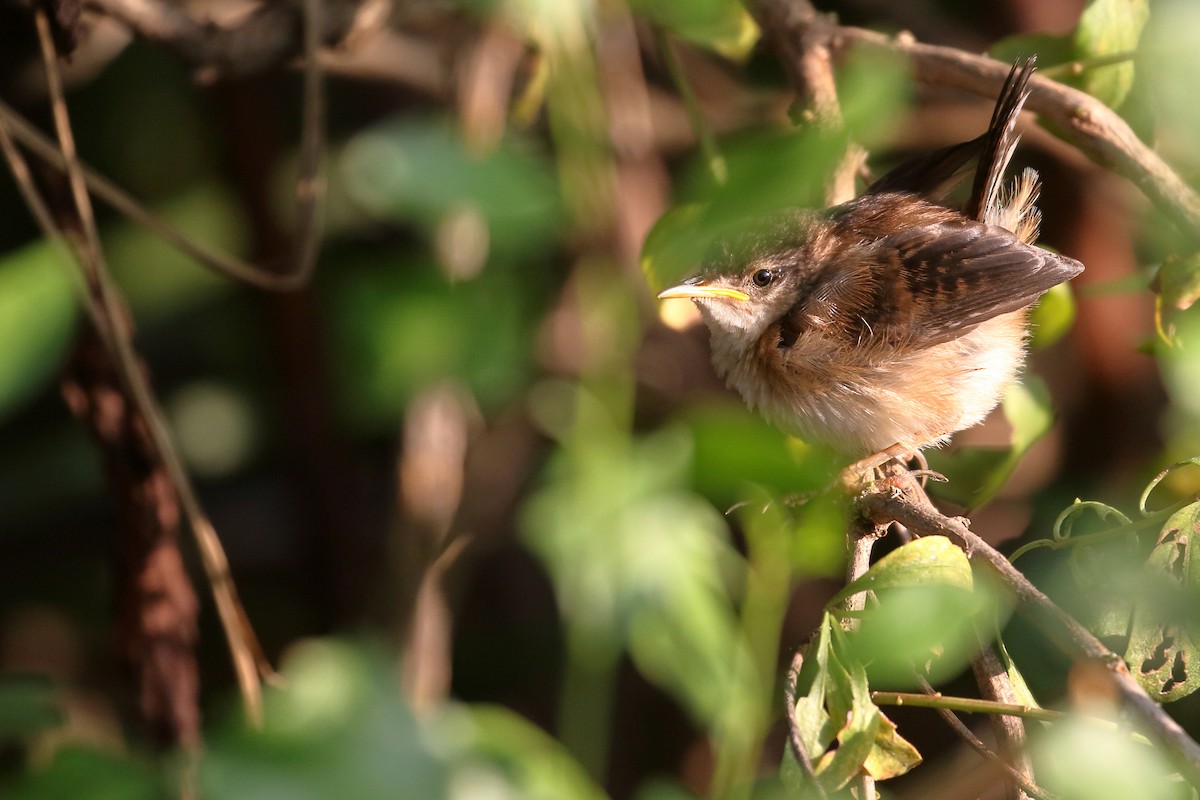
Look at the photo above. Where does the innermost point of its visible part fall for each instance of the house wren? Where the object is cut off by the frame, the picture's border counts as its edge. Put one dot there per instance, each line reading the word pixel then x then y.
pixel 887 324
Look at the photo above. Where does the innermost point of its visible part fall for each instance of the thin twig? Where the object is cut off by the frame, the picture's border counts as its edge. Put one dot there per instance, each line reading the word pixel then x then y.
pixel 105 312
pixel 795 741
pixel 975 743
pixel 230 266
pixel 862 535
pixel 968 705
pixel 996 685
pixel 1061 628
pixel 808 58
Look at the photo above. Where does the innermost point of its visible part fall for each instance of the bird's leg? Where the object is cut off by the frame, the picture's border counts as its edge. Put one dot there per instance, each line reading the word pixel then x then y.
pixel 855 477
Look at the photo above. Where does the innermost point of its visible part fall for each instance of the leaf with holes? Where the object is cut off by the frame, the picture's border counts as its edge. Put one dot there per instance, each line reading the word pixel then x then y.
pixel 1164 639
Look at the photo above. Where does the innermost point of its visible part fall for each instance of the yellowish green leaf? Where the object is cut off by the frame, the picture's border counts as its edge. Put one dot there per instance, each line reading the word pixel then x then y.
pixel 1109 28
pixel 928 561
pixel 892 755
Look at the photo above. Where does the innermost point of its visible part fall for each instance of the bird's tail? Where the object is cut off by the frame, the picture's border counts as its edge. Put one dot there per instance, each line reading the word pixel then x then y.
pixel 1000 142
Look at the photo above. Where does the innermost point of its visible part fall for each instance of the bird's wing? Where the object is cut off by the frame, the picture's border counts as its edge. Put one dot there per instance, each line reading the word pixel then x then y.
pixel 924 285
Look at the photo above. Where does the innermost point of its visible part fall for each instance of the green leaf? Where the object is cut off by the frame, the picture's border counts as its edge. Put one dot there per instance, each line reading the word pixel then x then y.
pixel 1110 27
pixel 1164 642
pixel 399 327
pixel 77 772
pixel 156 277
pixel 769 173
pixel 834 703
pixel 420 171
pixel 812 720
pixel 660 788
pixel 1051 318
pixel 671 251
pixel 892 755
pixel 1169 69
pixel 27 705
pixel 1021 690
pixel 533 763
pixel 1077 758
pixel 735 447
pixel 339 729
pixel 874 90
pixel 638 559
pixel 928 561
pixel 1027 409
pixel 931 630
pixel 849 702
pixel 723 26
pixel 1178 281
pixel 37 315
pixel 1050 49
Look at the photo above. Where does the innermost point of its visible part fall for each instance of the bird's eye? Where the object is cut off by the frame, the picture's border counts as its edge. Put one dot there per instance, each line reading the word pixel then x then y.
pixel 763 278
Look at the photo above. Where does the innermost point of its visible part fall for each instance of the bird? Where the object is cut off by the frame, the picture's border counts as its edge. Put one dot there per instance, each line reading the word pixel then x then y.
pixel 887 324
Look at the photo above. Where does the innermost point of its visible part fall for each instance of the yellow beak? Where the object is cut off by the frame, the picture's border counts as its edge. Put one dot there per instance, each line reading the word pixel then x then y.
pixel 699 288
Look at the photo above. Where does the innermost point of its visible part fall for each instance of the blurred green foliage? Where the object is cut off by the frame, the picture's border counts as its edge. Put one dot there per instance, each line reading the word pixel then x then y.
pixel 927 614
pixel 93 775
pixel 27 705
pixel 1086 759
pixel 37 317
pixel 418 171
pixel 723 25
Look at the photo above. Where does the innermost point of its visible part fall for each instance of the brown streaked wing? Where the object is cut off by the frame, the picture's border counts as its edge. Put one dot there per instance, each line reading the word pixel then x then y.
pixel 960 274
pixel 924 286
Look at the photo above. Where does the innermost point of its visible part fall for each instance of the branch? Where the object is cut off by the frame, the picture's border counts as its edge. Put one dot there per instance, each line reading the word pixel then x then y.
pixel 996 685
pixel 266 37
pixel 1094 128
pixel 1068 634
pixel 795 741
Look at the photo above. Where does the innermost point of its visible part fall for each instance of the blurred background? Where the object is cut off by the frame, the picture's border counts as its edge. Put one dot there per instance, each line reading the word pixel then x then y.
pixel 481 496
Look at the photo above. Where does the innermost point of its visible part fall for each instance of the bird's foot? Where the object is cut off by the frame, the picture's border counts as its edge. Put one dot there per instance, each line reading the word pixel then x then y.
pixel 888 467
pixel 862 474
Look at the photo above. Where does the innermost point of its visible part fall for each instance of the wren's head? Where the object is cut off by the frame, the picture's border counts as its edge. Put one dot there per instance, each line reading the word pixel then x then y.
pixel 749 286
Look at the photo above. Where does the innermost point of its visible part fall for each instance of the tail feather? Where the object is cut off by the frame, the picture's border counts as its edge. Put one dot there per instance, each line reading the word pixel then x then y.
pixel 1015 209
pixel 1000 142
